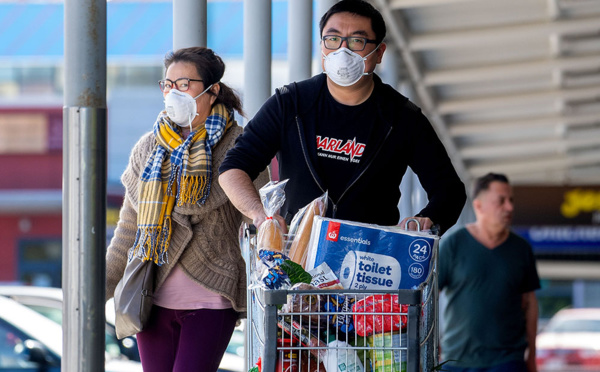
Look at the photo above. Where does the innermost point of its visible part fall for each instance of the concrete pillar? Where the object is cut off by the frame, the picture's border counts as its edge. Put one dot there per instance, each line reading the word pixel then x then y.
pixel 322 8
pixel 299 39
pixel 189 23
pixel 257 54
pixel 389 68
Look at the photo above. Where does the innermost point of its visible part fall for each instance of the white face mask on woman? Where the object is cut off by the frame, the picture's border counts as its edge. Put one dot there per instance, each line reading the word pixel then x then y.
pixel 345 67
pixel 181 107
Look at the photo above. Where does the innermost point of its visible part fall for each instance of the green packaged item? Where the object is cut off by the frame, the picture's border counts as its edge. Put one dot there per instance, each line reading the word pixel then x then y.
pixel 386 353
pixel 363 354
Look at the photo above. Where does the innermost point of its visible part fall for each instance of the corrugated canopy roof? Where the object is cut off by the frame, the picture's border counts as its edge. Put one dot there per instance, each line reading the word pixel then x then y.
pixel 512 86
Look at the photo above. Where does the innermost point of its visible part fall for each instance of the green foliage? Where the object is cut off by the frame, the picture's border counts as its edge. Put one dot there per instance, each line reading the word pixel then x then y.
pixel 295 272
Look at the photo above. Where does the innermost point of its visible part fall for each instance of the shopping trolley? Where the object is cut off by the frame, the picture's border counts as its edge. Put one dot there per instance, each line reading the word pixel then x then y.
pixel 290 330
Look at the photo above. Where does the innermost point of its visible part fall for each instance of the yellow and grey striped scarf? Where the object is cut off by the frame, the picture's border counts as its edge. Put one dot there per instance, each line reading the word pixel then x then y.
pixel 178 171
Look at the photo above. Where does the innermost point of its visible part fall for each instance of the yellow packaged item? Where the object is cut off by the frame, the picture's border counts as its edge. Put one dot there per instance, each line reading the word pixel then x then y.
pixel 388 351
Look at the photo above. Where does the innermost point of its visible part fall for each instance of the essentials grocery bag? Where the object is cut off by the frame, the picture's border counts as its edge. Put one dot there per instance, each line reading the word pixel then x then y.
pixel 368 256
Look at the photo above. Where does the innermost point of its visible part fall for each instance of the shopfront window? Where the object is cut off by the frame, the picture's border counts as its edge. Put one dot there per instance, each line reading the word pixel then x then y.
pixel 40 262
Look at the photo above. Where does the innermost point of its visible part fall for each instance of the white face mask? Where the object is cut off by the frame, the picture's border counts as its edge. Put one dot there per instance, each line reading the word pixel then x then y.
pixel 181 107
pixel 345 67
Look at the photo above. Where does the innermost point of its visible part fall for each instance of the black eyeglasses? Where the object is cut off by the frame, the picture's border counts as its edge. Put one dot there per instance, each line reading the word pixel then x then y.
pixel 181 84
pixel 355 44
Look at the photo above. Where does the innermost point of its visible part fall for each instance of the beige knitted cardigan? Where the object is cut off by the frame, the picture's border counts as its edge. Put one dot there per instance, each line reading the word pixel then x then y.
pixel 204 240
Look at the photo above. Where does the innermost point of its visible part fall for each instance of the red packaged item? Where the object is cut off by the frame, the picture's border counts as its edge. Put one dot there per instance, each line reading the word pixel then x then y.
pixel 366 325
pixel 288 358
pixel 296 330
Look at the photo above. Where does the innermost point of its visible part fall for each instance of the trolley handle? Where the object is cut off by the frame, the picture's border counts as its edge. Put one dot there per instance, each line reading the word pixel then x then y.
pixel 251 229
pixel 435 229
pixel 413 220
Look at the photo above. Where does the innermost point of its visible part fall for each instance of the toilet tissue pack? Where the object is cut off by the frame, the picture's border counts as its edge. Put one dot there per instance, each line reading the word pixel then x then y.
pixel 367 256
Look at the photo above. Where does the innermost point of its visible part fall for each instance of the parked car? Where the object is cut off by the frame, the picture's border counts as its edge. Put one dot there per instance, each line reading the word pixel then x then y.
pixel 31 342
pixel 570 342
pixel 48 302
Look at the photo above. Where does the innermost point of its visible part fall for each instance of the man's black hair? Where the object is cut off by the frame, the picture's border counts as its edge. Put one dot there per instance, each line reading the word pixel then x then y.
pixel 483 182
pixel 361 8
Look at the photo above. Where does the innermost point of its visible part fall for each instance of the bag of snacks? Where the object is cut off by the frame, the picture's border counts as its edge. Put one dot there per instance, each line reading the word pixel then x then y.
pixel 366 325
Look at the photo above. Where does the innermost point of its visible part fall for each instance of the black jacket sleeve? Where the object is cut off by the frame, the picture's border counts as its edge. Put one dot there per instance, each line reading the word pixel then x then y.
pixel 256 147
pixel 430 162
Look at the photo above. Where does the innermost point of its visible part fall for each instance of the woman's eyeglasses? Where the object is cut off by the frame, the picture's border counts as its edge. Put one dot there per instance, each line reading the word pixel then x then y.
pixel 181 84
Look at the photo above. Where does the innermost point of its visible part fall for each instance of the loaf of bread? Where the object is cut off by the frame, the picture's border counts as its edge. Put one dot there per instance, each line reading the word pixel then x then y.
pixel 299 248
pixel 270 236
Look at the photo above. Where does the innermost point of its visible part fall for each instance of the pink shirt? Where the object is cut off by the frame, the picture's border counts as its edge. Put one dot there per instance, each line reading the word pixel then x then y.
pixel 179 292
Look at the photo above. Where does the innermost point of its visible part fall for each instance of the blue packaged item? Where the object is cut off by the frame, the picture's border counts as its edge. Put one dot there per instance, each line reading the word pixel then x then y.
pixel 368 256
pixel 337 306
pixel 270 273
pixel 276 278
pixel 271 258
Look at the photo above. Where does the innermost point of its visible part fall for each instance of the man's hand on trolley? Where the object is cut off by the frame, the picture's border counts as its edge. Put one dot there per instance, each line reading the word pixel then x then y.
pixel 424 223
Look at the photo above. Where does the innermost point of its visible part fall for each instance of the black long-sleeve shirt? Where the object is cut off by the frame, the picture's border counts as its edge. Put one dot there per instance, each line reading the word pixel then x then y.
pixel 286 126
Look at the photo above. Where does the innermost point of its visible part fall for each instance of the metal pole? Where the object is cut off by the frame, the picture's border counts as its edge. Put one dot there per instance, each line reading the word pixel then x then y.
pixel 389 72
pixel 84 186
pixel 299 39
pixel 257 54
pixel 389 69
pixel 322 8
pixel 189 23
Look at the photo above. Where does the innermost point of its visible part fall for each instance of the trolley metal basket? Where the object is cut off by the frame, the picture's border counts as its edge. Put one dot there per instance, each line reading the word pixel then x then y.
pixel 288 330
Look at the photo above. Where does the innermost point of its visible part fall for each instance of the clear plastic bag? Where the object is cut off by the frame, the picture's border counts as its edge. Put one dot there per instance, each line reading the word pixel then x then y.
pixel 301 228
pixel 270 233
pixel 310 304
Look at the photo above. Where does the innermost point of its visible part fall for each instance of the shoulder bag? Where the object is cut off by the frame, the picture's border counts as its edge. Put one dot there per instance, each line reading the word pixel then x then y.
pixel 133 297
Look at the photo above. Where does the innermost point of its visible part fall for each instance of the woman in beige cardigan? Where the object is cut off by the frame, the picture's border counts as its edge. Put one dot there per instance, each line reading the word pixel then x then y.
pixel 176 214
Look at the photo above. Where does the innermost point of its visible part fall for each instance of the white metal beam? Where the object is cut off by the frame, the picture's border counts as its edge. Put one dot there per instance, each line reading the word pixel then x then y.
pixel 508 71
pixel 560 162
pixel 467 129
pixel 581 4
pixel 405 4
pixel 548 146
pixel 503 34
pixel 545 97
pixel 573 176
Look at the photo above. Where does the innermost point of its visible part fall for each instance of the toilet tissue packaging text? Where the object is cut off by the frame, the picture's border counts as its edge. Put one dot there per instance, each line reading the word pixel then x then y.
pixel 367 256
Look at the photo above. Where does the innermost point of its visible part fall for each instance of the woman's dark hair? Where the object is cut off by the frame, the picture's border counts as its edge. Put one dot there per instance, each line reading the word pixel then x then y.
pixel 210 68
pixel 361 8
pixel 483 183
